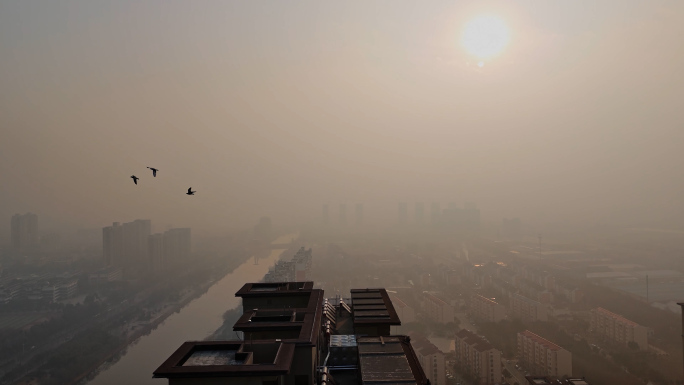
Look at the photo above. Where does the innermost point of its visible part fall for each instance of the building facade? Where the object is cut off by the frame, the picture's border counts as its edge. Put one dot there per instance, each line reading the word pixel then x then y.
pixel 542 357
pixel 436 309
pixel 486 309
pixel 477 358
pixel 24 231
pixel 617 328
pixel 527 309
pixel 431 359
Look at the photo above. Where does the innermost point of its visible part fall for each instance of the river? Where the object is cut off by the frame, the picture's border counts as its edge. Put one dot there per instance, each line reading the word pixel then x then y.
pixel 194 322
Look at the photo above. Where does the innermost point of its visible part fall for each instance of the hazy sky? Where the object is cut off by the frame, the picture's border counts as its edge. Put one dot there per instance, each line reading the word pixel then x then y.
pixel 274 108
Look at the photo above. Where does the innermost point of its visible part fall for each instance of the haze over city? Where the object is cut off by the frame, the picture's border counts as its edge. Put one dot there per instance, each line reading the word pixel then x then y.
pixel 341 193
pixel 275 108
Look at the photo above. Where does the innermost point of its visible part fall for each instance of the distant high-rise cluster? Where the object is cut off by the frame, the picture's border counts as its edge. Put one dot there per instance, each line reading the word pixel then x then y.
pixel 132 246
pixel 125 245
pixel 264 229
pixel 24 231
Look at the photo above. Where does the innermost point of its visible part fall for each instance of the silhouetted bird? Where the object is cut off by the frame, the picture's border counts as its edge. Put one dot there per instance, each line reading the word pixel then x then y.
pixel 190 192
pixel 135 179
pixel 154 171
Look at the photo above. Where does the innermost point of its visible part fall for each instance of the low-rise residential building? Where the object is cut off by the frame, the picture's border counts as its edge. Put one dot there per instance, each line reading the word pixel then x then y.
pixel 486 309
pixel 527 309
pixel 436 309
pixel 477 358
pixel 615 327
pixel 430 358
pixel 542 357
pixel 405 312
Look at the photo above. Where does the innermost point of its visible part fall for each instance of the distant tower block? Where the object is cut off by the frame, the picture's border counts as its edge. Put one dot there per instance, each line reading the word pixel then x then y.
pixel 403 213
pixel 434 214
pixel 343 214
pixel 359 214
pixel 419 213
pixel 452 205
pixel 326 214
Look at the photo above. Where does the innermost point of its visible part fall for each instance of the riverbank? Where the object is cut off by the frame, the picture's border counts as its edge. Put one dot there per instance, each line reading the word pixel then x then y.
pixel 112 356
pixel 195 321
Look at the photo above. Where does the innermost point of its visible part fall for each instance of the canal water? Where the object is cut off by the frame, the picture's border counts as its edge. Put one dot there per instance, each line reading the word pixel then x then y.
pixel 194 322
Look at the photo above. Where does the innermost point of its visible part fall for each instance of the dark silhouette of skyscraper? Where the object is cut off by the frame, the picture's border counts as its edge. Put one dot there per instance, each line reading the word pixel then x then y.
pixel 127 245
pixel 434 214
pixel 403 213
pixel 24 231
pixel 343 214
pixel 359 214
pixel 326 215
pixel 419 213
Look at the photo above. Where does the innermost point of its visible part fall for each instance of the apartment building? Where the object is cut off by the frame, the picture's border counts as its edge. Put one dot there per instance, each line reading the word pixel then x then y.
pixel 436 309
pixel 542 357
pixel 477 357
pixel 527 309
pixel 294 336
pixel 486 309
pixel 615 327
pixel 431 359
pixel 405 312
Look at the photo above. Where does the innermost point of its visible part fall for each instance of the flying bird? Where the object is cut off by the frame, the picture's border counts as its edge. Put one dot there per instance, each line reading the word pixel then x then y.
pixel 135 179
pixel 154 171
pixel 190 192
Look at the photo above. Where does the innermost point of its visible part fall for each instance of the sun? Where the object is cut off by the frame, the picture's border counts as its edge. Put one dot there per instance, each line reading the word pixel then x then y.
pixel 485 36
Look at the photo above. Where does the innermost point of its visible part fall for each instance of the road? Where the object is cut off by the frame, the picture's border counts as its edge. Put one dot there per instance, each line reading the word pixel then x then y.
pixel 518 376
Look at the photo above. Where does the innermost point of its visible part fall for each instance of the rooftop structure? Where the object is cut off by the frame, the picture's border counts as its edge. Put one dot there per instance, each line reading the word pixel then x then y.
pixel 373 312
pixel 294 336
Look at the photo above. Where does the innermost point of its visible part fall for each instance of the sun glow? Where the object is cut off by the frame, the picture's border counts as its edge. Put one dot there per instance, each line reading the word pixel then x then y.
pixel 485 37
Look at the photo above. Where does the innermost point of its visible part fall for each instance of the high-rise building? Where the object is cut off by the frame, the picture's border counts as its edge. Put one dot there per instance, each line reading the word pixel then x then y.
pixel 434 214
pixel 127 245
pixel 263 229
pixel 326 215
pixel 402 209
pixel 295 336
pixel 359 214
pixel 419 213
pixel 112 244
pixel 343 214
pixel 156 252
pixel 617 328
pixel 477 357
pixel 135 242
pixel 542 357
pixel 177 245
pixel 24 231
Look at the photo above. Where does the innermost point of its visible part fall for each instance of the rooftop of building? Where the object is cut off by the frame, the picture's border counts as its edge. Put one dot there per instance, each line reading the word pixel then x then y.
pixel 397 302
pixel 373 306
pixel 526 299
pixel 299 325
pixel 421 344
pixel 540 340
pixel 274 289
pixel 616 316
pixel 228 359
pixel 389 360
pixel 484 299
pixel 477 342
pixel 535 380
pixel 434 299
